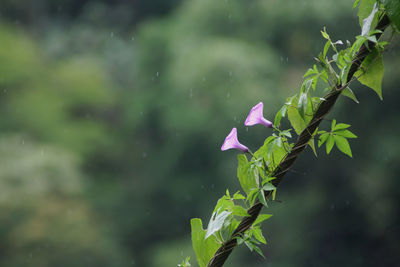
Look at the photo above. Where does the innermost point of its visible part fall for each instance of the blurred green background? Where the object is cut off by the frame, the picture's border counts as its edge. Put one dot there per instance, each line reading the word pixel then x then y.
pixel 112 114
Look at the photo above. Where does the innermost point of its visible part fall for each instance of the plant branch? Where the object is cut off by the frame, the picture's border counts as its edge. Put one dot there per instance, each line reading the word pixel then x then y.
pixel 324 107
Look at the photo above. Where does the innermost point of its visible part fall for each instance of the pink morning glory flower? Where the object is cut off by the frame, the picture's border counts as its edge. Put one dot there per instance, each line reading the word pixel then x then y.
pixel 256 117
pixel 231 141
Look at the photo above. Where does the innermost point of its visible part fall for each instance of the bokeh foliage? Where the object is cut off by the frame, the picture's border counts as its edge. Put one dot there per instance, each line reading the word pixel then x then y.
pixel 112 116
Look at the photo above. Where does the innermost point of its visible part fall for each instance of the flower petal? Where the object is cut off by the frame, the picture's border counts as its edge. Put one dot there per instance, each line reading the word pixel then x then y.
pixel 256 116
pixel 231 141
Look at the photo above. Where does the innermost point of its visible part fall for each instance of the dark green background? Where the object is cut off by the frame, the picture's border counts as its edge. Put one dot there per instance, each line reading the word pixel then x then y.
pixel 112 114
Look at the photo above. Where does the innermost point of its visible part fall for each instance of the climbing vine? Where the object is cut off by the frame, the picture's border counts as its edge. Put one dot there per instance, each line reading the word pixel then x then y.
pixel 236 218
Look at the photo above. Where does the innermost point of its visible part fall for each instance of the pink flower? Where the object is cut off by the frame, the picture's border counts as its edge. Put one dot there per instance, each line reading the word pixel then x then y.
pixel 256 117
pixel 231 141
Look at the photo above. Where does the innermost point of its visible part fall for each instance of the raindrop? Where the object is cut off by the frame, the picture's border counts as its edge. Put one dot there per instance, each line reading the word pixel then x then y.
pixel 230 73
pixel 112 34
pixel 5 91
pixel 204 79
pixel 228 95
pixel 191 92
pixel 133 38
pixel 234 118
pixel 281 59
pixel 23 142
pixel 332 206
pixel 144 155
pixel 157 74
pixel 141 113
pixel 247 129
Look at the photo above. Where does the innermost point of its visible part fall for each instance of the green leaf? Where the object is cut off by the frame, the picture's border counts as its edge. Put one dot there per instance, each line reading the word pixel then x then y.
pixel 251 197
pixel 185 263
pixel 324 34
pixel 393 10
pixel 343 145
pixel 261 218
pixel 364 10
pixel 216 222
pixel 269 187
pixel 203 248
pixel 340 126
pixel 258 235
pixel 302 105
pixel 270 152
pixel 329 143
pixel 345 133
pixel 247 177
pixel 368 21
pixel 333 124
pixel 258 250
pixel 287 133
pixel 262 199
pixel 238 196
pixel 311 143
pixel 322 139
pixel 239 211
pixel 296 119
pixel 224 203
pixel 373 75
pixel 349 93
pixel 326 47
pixel 311 71
pixel 356 3
pixel 278 118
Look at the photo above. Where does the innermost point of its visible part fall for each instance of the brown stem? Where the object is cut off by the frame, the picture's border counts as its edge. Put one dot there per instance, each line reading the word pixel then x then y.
pixel 324 107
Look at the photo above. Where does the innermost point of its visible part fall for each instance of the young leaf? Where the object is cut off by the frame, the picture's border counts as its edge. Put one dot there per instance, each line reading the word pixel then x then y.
pixel 185 263
pixel 238 196
pixel 329 143
pixel 239 211
pixel 203 248
pixel 311 143
pixel 258 250
pixel 262 199
pixel 345 133
pixel 333 124
pixel 340 126
pixel 261 218
pixel 269 187
pixel 349 93
pixel 216 222
pixel 372 77
pixel 326 47
pixel 322 138
pixel 302 105
pixel 343 145
pixel 324 34
pixel 258 235
pixel 251 197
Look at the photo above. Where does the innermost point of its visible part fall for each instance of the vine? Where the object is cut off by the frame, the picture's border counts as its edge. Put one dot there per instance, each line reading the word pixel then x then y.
pixel 236 218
